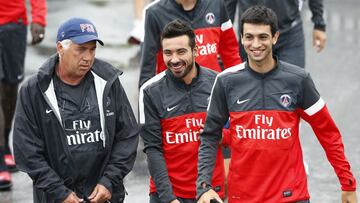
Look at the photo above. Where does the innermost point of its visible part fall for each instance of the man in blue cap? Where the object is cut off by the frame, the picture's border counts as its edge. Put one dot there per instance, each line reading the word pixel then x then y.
pixel 75 133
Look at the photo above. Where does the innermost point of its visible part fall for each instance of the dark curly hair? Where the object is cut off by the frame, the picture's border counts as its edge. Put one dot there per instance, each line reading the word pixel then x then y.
pixel 259 15
pixel 178 28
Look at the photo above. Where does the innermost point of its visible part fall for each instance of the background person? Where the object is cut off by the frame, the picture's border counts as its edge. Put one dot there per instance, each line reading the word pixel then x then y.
pixel 212 26
pixel 13 32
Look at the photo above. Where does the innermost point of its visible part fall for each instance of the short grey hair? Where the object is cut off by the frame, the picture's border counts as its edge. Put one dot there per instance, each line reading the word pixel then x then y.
pixel 66 43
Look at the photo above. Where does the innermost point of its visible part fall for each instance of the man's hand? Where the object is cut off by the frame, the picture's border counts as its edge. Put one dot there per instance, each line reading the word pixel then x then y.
pixel 100 194
pixel 348 197
pixel 72 198
pixel 175 201
pixel 208 196
pixel 319 39
pixel 37 33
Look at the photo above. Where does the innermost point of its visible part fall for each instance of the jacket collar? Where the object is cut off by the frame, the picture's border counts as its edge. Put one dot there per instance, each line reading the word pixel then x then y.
pixel 262 75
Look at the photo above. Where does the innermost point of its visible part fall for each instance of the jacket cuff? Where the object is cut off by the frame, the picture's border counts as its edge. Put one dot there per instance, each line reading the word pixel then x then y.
pixel 348 188
pixel 60 194
pixel 348 185
pixel 202 189
pixel 169 198
pixel 166 196
pixel 320 26
pixel 107 183
pixel 39 22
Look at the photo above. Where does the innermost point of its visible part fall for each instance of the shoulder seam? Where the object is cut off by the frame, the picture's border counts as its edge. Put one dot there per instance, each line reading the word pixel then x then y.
pixel 233 69
pixel 141 94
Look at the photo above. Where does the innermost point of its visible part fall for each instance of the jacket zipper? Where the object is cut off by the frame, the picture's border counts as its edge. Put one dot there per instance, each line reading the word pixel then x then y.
pixel 263 91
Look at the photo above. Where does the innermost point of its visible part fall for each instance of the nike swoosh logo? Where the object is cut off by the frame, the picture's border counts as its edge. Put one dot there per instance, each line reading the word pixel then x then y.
pixel 171 108
pixel 48 110
pixel 242 101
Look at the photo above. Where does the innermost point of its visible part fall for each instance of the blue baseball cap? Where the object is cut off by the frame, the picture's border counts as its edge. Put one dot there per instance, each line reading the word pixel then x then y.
pixel 78 30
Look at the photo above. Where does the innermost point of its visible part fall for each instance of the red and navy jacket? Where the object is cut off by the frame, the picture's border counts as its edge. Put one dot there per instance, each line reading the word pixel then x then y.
pixel 14 11
pixel 171 113
pixel 213 28
pixel 266 155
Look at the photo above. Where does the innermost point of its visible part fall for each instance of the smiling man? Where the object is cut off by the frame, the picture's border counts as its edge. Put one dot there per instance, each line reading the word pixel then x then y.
pixel 172 109
pixel 75 134
pixel 265 99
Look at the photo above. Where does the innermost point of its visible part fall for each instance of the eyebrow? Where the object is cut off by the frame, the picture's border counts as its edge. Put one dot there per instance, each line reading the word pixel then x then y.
pixel 179 49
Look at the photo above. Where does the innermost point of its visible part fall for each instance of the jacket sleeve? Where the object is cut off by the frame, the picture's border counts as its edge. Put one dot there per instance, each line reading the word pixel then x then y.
pixel 228 46
pixel 124 148
pixel 226 138
pixel 317 10
pixel 38 12
pixel 29 149
pixel 318 116
pixel 231 6
pixel 217 116
pixel 151 134
pixel 149 48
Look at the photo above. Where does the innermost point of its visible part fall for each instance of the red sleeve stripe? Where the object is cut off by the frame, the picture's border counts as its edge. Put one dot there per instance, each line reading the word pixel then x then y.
pixel 141 95
pixel 227 25
pixel 315 107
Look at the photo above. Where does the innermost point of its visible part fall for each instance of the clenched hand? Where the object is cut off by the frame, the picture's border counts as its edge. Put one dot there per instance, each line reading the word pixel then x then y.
pixel 100 194
pixel 37 33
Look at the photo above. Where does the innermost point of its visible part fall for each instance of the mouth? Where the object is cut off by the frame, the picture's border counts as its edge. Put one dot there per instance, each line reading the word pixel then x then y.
pixel 84 66
pixel 177 67
pixel 257 52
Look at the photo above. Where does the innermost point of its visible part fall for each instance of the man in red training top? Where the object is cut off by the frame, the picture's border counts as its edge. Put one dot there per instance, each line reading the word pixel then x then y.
pixel 265 99
pixel 172 108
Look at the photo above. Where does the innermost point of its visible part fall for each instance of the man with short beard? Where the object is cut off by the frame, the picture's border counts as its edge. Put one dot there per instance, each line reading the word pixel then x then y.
pixel 172 110
pixel 215 36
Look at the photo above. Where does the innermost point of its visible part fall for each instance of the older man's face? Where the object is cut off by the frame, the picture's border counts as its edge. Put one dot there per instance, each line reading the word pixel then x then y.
pixel 77 59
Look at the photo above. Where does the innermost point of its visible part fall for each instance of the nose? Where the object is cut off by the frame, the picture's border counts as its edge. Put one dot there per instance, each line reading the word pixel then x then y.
pixel 174 58
pixel 87 55
pixel 256 43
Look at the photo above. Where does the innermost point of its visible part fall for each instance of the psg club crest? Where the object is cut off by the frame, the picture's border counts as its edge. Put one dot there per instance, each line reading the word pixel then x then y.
pixel 285 100
pixel 210 18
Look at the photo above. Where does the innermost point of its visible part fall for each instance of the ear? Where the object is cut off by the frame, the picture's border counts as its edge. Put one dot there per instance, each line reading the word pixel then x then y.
pixel 59 48
pixel 241 39
pixel 195 50
pixel 276 37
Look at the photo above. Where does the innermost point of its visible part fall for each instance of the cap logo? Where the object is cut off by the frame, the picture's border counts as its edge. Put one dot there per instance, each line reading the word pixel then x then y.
pixel 87 28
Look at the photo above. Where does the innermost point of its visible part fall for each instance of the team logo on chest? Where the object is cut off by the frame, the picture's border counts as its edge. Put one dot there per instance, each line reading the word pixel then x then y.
pixel 210 18
pixel 285 100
